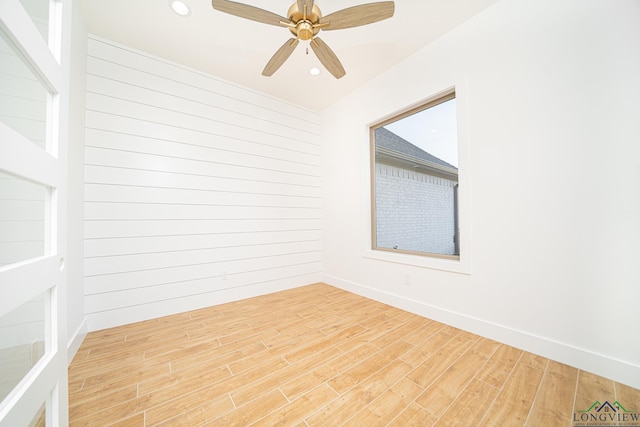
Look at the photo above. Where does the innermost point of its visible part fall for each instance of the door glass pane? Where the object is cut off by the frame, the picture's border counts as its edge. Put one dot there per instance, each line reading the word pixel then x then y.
pixel 23 98
pixel 22 342
pixel 39 419
pixel 38 10
pixel 22 219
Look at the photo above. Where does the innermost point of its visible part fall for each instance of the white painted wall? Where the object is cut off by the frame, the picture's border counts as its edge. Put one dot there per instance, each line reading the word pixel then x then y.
pixel 197 191
pixel 550 98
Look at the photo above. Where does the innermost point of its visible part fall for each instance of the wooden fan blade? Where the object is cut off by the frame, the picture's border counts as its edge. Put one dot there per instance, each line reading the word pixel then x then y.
pixel 280 56
pixel 248 12
pixel 358 15
pixel 327 57
pixel 301 5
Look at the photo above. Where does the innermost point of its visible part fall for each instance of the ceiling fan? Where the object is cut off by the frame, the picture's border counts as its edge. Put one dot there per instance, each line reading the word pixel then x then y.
pixel 305 21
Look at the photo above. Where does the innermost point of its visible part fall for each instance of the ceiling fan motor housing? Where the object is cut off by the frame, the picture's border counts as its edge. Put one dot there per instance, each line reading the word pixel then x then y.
pixel 304 25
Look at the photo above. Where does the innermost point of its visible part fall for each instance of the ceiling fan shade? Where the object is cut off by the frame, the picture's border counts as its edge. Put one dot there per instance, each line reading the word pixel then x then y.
pixel 305 21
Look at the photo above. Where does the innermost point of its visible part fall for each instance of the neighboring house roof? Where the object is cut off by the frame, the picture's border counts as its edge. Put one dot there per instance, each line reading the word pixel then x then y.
pixel 394 149
pixel 389 140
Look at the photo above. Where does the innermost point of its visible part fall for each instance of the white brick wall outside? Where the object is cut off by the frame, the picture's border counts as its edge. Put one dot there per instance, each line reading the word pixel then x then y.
pixel 414 211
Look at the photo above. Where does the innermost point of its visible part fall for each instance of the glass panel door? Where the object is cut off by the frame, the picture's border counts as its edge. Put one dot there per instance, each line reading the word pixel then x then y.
pixel 33 95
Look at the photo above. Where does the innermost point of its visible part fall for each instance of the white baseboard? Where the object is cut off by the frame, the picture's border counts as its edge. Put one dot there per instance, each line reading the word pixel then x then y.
pixel 599 364
pixel 76 340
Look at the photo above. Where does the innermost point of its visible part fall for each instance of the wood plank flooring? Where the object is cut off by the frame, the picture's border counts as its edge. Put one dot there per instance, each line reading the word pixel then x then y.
pixel 320 356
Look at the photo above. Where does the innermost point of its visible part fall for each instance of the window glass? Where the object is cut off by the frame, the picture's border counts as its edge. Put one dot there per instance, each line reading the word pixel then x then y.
pixel 22 219
pixel 38 11
pixel 39 419
pixel 415 181
pixel 22 342
pixel 23 98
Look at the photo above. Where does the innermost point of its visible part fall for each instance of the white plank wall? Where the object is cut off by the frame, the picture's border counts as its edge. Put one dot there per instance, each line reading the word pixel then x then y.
pixel 197 192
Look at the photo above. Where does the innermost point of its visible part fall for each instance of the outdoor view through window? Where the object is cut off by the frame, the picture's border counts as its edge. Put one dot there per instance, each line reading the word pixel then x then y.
pixel 415 181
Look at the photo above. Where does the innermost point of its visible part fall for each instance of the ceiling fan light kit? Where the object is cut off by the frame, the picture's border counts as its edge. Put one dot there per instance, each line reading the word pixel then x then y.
pixel 305 21
pixel 180 7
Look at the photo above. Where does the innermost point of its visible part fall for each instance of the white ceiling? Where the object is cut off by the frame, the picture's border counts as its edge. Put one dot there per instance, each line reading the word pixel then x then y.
pixel 237 49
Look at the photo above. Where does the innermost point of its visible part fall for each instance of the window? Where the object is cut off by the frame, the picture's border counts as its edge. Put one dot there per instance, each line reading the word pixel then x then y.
pixel 414 172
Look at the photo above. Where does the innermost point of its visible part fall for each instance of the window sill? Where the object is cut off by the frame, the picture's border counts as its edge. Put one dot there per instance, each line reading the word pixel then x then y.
pixel 451 265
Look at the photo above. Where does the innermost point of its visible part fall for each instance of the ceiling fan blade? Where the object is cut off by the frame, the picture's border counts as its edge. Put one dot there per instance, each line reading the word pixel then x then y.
pixel 303 3
pixel 248 12
pixel 327 57
pixel 280 56
pixel 358 15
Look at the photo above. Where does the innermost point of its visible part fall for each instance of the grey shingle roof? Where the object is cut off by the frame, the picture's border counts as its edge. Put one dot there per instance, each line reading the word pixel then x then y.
pixel 389 140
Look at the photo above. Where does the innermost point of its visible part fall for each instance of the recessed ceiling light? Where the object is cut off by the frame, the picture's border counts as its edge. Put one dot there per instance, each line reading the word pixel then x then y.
pixel 180 7
pixel 314 71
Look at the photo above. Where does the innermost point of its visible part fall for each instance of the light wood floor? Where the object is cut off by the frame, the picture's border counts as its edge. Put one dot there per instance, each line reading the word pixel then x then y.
pixel 320 356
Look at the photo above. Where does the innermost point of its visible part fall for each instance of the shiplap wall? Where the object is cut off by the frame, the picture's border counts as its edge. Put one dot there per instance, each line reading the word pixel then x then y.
pixel 197 191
